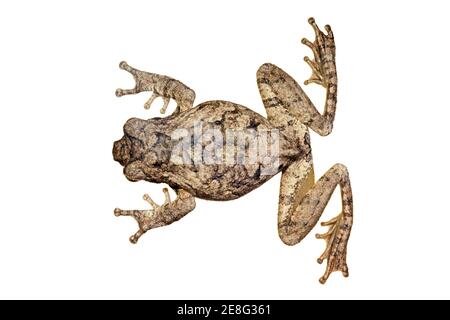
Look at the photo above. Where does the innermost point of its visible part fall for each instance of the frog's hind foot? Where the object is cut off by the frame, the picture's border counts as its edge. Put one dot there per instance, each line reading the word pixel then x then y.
pixel 336 248
pixel 159 215
pixel 324 50
pixel 161 86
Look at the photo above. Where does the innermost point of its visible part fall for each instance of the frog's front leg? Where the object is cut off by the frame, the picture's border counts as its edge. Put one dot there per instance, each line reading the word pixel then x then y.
pixel 302 202
pixel 159 216
pixel 161 86
pixel 282 95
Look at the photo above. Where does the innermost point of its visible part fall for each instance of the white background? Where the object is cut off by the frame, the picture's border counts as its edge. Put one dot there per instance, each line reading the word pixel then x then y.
pixel 59 118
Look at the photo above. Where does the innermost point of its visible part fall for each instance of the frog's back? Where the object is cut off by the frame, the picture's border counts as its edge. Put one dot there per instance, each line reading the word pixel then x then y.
pixel 231 150
pixel 225 115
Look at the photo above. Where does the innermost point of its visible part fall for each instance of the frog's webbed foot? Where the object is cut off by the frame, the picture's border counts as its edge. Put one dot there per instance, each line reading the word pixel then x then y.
pixel 159 215
pixel 336 251
pixel 324 50
pixel 161 86
pixel 146 219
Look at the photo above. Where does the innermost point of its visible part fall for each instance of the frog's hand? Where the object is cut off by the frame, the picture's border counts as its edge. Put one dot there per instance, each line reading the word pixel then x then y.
pixel 161 86
pixel 158 216
pixel 302 202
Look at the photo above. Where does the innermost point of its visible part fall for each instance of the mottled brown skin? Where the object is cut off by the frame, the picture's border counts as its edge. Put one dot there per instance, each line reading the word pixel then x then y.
pixel 147 145
pixel 151 148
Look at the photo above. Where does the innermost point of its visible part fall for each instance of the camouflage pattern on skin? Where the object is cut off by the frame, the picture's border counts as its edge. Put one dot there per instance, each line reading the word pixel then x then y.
pixel 147 145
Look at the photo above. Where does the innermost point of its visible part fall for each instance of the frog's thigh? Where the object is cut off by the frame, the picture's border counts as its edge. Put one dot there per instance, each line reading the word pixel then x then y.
pixel 282 95
pixel 296 181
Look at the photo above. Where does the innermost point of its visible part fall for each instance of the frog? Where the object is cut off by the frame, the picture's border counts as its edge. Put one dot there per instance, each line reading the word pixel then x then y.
pixel 150 151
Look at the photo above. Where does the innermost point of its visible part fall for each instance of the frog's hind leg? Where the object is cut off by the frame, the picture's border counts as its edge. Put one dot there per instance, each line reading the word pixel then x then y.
pixel 302 202
pixel 284 98
pixel 161 86
pixel 159 216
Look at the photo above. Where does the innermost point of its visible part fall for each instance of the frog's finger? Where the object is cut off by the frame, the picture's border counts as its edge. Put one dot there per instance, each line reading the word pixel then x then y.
pixel 137 214
pixel 149 102
pixel 147 198
pixel 166 195
pixel 125 66
pixel 122 92
pixel 135 237
pixel 166 104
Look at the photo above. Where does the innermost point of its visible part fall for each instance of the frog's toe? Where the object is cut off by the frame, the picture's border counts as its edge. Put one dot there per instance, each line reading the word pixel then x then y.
pixel 329 31
pixel 335 253
pixel 334 266
pixel 323 50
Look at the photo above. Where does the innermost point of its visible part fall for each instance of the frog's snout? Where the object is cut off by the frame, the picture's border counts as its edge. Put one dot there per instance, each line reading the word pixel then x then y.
pixel 122 150
pixel 127 150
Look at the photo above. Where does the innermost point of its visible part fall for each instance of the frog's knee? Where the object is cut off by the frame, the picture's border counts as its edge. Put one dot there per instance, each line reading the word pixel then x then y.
pixel 288 237
pixel 340 168
pixel 264 70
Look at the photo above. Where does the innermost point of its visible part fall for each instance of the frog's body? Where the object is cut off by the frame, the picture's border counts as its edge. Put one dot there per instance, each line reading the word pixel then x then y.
pixel 214 151
pixel 219 180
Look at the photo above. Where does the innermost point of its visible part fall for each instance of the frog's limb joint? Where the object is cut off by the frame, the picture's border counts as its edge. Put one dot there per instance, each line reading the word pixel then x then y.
pixel 160 86
pixel 159 215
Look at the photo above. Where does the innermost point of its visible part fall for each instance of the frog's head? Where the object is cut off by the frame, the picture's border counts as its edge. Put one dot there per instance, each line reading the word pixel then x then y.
pixel 127 150
pixel 142 141
pixel 131 147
